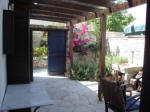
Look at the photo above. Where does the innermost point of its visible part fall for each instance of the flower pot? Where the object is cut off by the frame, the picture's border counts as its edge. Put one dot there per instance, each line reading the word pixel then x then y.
pixel 108 77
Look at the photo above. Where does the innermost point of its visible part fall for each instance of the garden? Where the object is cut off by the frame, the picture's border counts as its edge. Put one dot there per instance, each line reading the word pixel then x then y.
pixel 85 57
pixel 86 47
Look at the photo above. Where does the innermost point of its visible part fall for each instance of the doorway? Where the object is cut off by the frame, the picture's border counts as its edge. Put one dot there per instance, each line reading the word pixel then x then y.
pixel 56 51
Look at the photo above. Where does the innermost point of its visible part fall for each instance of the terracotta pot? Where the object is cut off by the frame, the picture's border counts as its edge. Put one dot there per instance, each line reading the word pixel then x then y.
pixel 108 77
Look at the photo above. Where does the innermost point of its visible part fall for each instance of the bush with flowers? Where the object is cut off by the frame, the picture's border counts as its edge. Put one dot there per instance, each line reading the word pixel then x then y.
pixel 80 42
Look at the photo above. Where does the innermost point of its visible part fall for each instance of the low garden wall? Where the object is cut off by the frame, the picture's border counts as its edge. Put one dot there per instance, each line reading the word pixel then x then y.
pixel 131 47
pixel 40 63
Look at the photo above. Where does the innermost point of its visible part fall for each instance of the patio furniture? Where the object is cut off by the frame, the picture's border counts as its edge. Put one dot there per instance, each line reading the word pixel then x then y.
pixel 115 98
pixel 25 96
pixel 136 81
pixel 119 78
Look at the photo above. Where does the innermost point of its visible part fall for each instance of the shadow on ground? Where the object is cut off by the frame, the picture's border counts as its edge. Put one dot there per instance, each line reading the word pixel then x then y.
pixel 69 95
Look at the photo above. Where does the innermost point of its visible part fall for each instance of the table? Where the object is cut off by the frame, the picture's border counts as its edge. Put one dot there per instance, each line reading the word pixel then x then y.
pixel 25 96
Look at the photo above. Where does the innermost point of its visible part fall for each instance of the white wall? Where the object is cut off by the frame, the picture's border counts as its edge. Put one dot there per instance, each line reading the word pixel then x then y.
pixel 131 48
pixel 3 81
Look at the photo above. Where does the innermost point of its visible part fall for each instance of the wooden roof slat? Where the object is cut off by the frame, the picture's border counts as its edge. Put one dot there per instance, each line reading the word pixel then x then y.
pixel 62 4
pixel 104 3
pixel 116 8
pixel 51 14
pixel 52 17
pixel 48 19
pixel 81 15
pixel 60 10
pixel 47 28
pixel 68 5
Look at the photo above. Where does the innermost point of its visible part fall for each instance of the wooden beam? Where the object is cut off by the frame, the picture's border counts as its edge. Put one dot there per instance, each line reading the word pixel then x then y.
pixel 68 5
pixel 61 3
pixel 60 10
pixel 41 12
pixel 144 107
pixel 104 3
pixel 52 17
pixel 115 8
pixel 102 51
pixel 50 8
pixel 102 45
pixel 48 19
pixel 70 45
pixel 47 28
pixel 85 16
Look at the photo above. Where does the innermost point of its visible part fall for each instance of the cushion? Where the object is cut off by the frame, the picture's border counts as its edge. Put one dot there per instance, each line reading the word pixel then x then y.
pixel 129 102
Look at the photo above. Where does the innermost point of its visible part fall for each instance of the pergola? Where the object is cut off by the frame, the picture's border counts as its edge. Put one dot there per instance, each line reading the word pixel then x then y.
pixel 76 11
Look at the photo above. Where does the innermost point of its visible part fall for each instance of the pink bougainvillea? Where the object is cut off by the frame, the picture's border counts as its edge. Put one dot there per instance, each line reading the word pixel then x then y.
pixel 73 26
pixel 83 32
pixel 68 55
pixel 75 35
pixel 84 27
pixel 73 45
pixel 86 40
pixel 80 42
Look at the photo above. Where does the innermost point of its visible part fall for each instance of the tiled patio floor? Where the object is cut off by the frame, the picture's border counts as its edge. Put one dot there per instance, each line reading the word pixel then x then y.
pixel 69 95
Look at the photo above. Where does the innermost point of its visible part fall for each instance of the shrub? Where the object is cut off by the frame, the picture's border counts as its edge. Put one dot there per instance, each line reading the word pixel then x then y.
pixel 40 52
pixel 84 71
pixel 116 60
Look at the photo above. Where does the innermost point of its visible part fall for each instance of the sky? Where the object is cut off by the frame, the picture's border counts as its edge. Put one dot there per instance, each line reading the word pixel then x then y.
pixel 138 12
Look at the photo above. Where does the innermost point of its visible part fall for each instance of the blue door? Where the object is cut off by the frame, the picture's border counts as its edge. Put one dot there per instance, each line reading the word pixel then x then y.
pixel 56 52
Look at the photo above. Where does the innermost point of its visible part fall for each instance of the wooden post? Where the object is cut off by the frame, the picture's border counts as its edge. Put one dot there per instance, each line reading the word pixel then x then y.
pixel 102 51
pixel 145 94
pixel 70 45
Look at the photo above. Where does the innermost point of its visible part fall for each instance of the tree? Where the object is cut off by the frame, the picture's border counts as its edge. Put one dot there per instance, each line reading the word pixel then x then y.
pixel 117 21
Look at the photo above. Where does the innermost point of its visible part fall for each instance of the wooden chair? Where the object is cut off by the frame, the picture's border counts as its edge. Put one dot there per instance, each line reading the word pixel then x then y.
pixel 115 98
pixel 119 78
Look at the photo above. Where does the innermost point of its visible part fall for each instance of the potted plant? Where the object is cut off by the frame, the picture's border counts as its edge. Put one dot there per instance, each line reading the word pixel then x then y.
pixel 108 73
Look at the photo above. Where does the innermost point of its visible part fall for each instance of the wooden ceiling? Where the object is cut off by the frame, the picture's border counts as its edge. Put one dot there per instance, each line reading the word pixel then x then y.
pixel 74 11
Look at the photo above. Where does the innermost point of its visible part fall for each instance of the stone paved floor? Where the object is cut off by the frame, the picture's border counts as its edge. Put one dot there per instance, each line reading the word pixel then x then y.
pixel 69 95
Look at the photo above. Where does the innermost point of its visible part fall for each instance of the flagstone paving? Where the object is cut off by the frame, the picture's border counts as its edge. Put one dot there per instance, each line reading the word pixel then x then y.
pixel 69 95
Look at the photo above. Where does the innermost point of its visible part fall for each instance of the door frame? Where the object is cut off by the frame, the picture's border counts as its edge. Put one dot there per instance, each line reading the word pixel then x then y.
pixel 42 28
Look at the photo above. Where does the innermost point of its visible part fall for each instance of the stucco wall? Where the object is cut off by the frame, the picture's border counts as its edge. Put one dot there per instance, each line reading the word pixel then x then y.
pixel 37 37
pixel 129 47
pixel 3 81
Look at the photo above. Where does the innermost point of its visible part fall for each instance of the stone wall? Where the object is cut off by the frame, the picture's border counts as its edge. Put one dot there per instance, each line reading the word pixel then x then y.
pixel 40 63
pixel 131 47
pixel 37 37
pixel 3 79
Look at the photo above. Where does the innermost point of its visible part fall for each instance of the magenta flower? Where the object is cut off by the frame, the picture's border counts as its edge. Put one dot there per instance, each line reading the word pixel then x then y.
pixel 83 32
pixel 80 41
pixel 73 45
pixel 86 40
pixel 76 35
pixel 84 27
pixel 77 43
pixel 67 56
